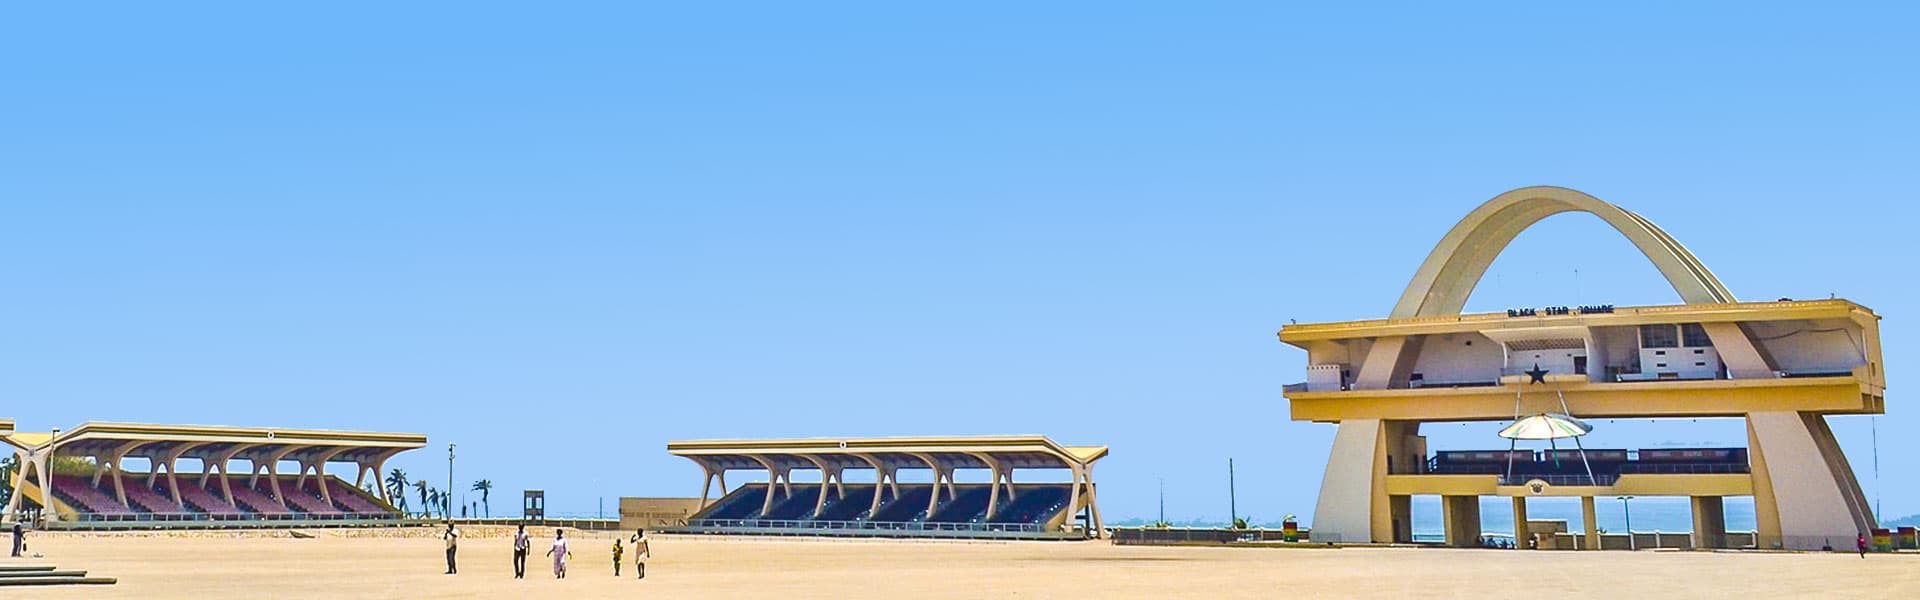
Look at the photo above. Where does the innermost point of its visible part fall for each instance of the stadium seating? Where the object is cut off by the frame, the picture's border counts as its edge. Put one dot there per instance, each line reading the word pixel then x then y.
pixel 1033 504
pixel 145 499
pixel 79 492
pixel 799 506
pixel 852 508
pixel 909 507
pixel 204 500
pixel 740 504
pixel 254 500
pixel 352 500
pixel 968 505
pixel 304 499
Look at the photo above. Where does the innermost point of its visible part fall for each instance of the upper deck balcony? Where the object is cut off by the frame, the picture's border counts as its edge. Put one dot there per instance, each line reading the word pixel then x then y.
pixel 1723 359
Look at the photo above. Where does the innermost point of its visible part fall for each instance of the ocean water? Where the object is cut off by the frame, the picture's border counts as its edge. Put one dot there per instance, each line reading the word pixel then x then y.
pixel 1670 514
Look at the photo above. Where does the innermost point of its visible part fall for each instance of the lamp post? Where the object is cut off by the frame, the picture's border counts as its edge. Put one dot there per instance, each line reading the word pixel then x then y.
pixel 1628 509
pixel 449 476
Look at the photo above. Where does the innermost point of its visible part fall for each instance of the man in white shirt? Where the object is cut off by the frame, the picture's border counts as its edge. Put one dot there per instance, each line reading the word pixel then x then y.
pixel 452 536
pixel 520 546
pixel 642 550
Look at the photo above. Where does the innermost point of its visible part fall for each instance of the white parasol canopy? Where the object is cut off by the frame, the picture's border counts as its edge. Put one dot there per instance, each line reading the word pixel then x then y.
pixel 1546 426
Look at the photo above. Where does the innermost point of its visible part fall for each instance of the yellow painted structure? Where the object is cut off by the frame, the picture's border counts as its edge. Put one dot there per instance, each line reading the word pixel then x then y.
pixel 1782 366
pixel 886 456
pixel 108 445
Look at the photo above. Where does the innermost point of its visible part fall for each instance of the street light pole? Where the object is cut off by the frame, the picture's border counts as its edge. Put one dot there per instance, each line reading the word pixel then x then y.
pixel 1628 509
pixel 449 478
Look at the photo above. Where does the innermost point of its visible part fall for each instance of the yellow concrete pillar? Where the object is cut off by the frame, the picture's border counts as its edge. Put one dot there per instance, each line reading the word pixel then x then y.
pixel 1402 508
pixel 1520 534
pixel 1462 519
pixel 1709 522
pixel 1592 522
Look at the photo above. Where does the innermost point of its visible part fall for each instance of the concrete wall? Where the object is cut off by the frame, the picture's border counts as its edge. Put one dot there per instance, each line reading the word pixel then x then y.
pixel 1458 357
pixel 656 512
pixel 1811 346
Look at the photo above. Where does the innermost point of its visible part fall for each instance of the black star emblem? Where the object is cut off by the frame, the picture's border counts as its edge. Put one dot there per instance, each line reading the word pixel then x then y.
pixel 1538 374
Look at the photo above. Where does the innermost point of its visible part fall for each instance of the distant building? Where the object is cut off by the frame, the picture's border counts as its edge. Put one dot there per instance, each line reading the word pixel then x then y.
pixel 653 513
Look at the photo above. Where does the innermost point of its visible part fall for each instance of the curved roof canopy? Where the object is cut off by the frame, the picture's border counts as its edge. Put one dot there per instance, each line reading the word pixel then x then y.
pixel 217 442
pixel 970 452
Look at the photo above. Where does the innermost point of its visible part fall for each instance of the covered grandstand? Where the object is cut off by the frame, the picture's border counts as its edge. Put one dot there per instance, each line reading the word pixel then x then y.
pixel 80 478
pixel 887 507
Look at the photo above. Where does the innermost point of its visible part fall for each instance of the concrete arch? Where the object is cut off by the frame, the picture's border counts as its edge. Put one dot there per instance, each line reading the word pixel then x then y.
pixel 1457 263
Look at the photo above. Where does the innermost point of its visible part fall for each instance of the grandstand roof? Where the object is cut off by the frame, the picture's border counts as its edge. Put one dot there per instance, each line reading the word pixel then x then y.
pixel 202 441
pixel 1015 451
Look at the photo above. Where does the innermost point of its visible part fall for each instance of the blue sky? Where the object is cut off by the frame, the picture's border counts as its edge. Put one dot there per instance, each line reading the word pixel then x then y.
pixel 561 236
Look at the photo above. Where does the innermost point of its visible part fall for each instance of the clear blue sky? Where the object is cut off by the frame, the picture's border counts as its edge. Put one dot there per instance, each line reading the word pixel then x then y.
pixel 561 236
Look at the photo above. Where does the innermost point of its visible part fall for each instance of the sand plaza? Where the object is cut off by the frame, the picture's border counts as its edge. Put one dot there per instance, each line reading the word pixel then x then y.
pixel 390 563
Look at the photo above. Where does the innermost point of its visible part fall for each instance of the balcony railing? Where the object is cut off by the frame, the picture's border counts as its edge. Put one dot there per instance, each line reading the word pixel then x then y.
pixel 862 525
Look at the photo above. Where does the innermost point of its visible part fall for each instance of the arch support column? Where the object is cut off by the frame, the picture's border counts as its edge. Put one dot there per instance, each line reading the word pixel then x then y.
pixel 1805 493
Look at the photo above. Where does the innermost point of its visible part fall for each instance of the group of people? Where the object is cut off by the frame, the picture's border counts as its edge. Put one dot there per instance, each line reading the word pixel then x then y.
pixel 560 552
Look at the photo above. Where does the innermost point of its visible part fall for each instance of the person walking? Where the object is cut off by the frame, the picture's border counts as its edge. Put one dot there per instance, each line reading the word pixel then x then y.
pixel 19 540
pixel 559 553
pixel 641 552
pixel 520 546
pixel 452 536
pixel 1862 545
pixel 616 556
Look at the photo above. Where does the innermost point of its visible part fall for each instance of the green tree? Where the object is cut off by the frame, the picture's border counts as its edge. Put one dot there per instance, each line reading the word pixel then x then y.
pixel 7 467
pixel 397 488
pixel 484 486
pixel 425 504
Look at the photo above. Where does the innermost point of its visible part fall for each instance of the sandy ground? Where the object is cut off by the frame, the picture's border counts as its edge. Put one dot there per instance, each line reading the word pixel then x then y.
pixel 340 566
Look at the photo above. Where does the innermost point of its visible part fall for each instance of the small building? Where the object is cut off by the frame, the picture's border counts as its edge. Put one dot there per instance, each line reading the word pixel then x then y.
pixel 654 513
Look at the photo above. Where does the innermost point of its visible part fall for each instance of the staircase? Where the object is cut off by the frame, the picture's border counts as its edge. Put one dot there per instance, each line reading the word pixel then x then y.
pixel 42 575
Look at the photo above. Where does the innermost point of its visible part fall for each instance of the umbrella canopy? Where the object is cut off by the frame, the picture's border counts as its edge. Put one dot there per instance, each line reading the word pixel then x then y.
pixel 1546 426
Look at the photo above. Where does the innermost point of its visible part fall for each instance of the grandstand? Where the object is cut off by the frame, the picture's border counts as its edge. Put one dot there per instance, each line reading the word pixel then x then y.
pixel 79 479
pixel 887 507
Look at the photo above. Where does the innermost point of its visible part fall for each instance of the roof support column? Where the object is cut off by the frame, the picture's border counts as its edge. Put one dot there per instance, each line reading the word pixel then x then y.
pixel 828 474
pixel 320 473
pixel 29 462
pixel 773 476
pixel 940 472
pixel 115 456
pixel 225 461
pixel 1073 497
pixel 706 482
pixel 1093 501
pixel 993 496
pixel 273 475
pixel 99 468
pixel 172 459
pixel 379 463
pixel 35 461
pixel 882 474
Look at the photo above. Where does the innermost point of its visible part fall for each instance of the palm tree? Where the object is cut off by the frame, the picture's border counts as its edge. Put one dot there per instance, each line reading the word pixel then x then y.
pixel 424 504
pixel 6 479
pixel 484 486
pixel 434 493
pixel 397 488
